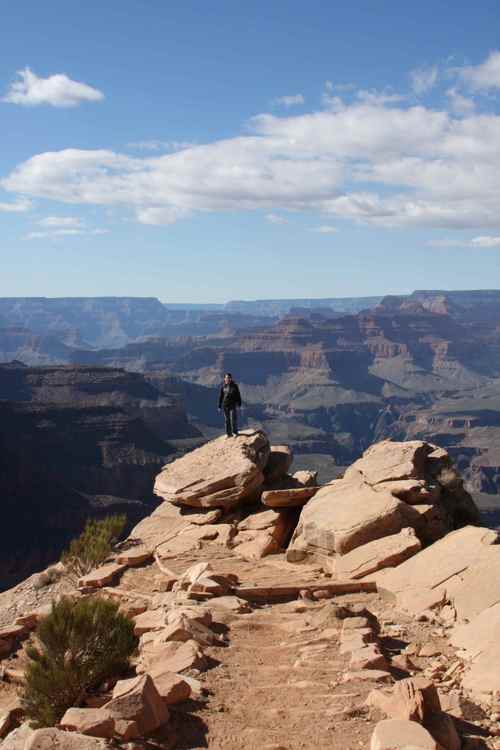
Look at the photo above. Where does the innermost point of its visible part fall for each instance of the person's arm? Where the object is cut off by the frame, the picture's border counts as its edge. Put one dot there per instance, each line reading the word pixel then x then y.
pixel 238 397
pixel 221 396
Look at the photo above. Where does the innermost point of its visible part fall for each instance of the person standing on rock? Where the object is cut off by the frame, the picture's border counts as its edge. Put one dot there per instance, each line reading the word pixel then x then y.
pixel 230 401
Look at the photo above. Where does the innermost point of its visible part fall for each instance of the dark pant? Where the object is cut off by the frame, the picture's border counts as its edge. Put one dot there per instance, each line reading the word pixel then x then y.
pixel 231 418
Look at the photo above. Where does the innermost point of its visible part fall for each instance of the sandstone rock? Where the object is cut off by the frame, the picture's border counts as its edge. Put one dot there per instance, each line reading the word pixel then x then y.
pixel 478 587
pixel 306 478
pixel 225 534
pixel 95 722
pixel 17 739
pixel 126 729
pixel 173 656
pixel 270 530
pixel 438 564
pixel 476 635
pixel 382 553
pixel 354 623
pixel 482 678
pixel 279 461
pixel 220 474
pixel 149 621
pixel 368 657
pixel 172 687
pixel 202 519
pixel 12 631
pixel 419 600
pixel 264 544
pixel 103 576
pixel 231 604
pixel 138 700
pixel 355 640
pixel 396 734
pixel 390 461
pixel 343 516
pixel 411 699
pixel 412 491
pixel 50 739
pixel 288 498
pixel 134 556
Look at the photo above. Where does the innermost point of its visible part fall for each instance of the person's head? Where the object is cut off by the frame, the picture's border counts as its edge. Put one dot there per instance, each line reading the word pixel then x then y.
pixel 228 378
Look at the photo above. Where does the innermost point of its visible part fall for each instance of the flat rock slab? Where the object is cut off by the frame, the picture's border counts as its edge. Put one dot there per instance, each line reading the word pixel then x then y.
pixel 284 593
pixel 220 474
pixel 382 553
pixel 476 635
pixel 134 556
pixel 292 498
pixel 479 587
pixel 103 576
pixel 436 565
pixel 397 734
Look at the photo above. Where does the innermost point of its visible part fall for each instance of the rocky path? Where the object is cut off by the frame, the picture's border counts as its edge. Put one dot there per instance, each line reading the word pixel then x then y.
pixel 279 685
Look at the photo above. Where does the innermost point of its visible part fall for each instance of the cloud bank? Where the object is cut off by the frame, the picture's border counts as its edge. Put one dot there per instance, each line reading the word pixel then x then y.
pixel 372 158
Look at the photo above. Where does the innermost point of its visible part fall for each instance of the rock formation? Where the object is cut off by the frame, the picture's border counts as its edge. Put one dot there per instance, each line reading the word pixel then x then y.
pixel 385 636
pixel 393 489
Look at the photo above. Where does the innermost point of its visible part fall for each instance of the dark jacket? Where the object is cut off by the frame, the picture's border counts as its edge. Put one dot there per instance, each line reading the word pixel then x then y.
pixel 229 396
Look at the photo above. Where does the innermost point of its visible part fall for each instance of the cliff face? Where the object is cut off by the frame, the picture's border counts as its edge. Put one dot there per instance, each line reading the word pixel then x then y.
pixel 75 441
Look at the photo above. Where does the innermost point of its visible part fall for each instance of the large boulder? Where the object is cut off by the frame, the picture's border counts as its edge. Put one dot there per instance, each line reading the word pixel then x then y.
pixel 220 474
pixel 342 516
pixel 394 485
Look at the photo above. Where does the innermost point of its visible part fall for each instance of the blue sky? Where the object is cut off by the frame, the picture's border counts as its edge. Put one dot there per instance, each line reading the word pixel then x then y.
pixel 212 151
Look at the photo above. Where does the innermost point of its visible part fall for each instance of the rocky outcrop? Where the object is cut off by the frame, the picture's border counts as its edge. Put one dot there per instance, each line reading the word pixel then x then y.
pixel 220 474
pixel 359 519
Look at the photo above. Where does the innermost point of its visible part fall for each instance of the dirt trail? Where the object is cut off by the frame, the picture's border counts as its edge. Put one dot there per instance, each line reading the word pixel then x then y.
pixel 278 683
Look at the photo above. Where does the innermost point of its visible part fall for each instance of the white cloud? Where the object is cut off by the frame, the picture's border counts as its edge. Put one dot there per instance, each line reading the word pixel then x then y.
pixel 155 145
pixel 290 101
pixel 62 226
pixel 373 160
pixel 19 206
pixel 379 97
pixel 484 76
pixel 57 90
pixel 62 222
pixel 277 219
pixel 459 103
pixel 325 229
pixel 423 79
pixel 485 241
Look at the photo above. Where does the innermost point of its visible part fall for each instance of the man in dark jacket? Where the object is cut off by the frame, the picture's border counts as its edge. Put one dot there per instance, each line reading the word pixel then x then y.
pixel 229 400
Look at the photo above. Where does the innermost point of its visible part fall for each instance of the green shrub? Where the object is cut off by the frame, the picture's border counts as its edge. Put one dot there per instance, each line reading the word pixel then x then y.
pixel 79 645
pixel 93 545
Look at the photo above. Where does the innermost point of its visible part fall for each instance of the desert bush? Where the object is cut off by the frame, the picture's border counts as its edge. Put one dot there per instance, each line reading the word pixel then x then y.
pixel 78 646
pixel 94 545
